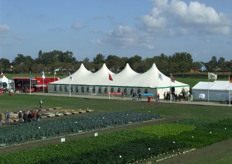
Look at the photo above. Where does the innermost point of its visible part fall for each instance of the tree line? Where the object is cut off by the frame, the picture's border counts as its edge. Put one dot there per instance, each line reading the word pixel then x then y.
pixel 65 62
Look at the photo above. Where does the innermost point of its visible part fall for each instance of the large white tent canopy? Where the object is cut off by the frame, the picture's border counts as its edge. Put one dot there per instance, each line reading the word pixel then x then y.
pixel 214 91
pixel 152 78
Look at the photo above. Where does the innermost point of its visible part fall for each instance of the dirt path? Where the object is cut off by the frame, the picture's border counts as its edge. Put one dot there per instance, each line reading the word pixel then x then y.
pixel 200 103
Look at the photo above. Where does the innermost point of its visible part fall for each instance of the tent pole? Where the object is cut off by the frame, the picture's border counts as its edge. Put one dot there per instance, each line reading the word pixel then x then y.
pixel 30 83
pixel 43 85
pixel 208 86
pixel 170 96
pixel 229 91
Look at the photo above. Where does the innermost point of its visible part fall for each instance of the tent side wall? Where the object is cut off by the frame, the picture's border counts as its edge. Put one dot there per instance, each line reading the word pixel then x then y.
pixel 117 90
pixel 214 95
pixel 196 94
pixel 98 90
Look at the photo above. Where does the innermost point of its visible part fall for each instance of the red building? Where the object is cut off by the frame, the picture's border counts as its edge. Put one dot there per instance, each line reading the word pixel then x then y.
pixel 38 84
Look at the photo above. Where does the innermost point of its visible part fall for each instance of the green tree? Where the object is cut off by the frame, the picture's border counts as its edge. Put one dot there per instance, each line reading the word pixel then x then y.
pixel 114 63
pixel 23 64
pixel 182 61
pixel 135 62
pixel 212 64
pixel 4 64
pixel 221 63
pixel 99 59
pixel 196 65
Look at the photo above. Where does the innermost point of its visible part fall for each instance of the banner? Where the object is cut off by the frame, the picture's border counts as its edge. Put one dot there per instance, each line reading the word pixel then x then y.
pixel 212 76
pixel 172 79
pixel 110 77
pixel 43 75
pixel 70 76
pixel 114 93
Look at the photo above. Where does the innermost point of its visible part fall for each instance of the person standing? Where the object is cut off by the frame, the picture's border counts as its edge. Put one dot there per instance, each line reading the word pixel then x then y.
pixel 41 103
pixel 158 97
pixel 0 119
pixel 7 117
pixel 24 117
pixel 38 115
pixel 29 116
pixel 20 115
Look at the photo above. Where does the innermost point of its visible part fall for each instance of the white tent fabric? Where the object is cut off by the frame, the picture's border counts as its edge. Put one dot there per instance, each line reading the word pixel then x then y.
pixel 217 90
pixel 153 78
pixel 77 77
pixel 4 79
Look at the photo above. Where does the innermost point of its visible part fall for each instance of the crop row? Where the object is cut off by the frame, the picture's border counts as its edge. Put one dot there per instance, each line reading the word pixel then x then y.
pixel 127 146
pixel 50 128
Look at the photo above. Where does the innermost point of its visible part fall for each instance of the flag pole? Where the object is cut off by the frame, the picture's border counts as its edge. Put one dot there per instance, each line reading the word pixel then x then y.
pixel 70 79
pixel 70 89
pixel 30 82
pixel 109 92
pixel 208 86
pixel 170 88
pixel 229 91
pixel 43 76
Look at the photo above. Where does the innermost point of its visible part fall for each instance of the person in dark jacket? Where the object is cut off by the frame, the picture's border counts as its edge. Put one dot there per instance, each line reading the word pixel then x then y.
pixel 0 119
pixel 29 117
pixel 24 116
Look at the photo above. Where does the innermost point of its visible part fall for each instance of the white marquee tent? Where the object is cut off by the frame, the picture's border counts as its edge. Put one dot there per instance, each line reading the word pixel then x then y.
pixel 5 81
pixel 152 81
pixel 217 90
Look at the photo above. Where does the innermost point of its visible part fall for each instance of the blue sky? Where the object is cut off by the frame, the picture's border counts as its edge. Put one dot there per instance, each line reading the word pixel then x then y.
pixel 116 27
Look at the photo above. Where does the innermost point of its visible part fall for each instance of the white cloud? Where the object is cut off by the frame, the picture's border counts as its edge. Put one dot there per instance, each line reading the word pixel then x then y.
pixel 154 21
pixel 4 28
pixel 148 46
pixel 97 41
pixel 195 13
pixel 19 38
pixel 77 26
pixel 195 16
pixel 123 36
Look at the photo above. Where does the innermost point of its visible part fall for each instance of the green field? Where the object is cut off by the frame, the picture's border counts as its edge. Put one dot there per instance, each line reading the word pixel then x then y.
pixel 166 110
pixel 27 102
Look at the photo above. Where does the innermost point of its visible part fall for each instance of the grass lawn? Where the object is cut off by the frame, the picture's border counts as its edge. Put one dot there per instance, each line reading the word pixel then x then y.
pixel 28 102
pixel 169 110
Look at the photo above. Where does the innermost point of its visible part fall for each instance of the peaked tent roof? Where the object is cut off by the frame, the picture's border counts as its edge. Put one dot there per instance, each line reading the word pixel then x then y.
pixel 152 78
pixel 216 85
pixel 77 76
pixel 101 77
pixel 4 79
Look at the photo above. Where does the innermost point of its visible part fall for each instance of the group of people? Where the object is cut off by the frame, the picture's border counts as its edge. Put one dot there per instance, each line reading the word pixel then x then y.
pixel 29 116
pixel 173 96
pixel 26 116
pixel 136 95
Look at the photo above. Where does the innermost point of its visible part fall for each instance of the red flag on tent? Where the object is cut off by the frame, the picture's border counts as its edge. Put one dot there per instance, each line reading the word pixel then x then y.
pixel 2 75
pixel 110 77
pixel 172 79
